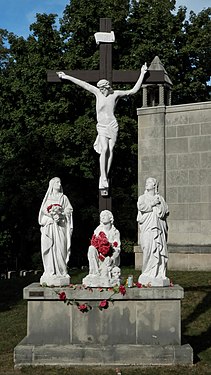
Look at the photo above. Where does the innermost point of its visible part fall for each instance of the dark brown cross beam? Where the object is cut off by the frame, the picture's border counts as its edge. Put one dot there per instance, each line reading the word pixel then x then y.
pixel 105 71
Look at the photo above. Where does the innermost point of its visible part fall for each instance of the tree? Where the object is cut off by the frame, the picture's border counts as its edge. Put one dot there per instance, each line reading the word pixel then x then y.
pixel 23 94
pixel 193 48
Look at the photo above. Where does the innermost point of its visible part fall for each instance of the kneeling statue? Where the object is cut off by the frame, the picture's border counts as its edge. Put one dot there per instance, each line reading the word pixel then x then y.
pixel 104 254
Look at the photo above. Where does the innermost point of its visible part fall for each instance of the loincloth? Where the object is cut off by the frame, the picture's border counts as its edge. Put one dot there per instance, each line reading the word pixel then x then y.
pixel 109 131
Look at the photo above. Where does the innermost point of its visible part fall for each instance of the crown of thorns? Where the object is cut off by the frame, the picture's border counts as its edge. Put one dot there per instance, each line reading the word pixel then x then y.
pixel 103 83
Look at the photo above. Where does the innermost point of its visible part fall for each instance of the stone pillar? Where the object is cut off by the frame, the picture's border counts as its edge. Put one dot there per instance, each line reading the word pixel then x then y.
pixel 151 154
pixel 144 95
pixel 161 95
pixel 151 146
pixel 169 96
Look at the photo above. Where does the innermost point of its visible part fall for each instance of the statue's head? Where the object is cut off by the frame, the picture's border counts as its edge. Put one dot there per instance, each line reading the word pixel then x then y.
pixel 151 184
pixel 55 183
pixel 103 83
pixel 105 87
pixel 116 272
pixel 106 217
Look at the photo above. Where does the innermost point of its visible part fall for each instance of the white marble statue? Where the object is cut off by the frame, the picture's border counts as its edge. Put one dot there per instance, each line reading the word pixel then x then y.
pixel 55 219
pixel 104 254
pixel 107 126
pixel 152 214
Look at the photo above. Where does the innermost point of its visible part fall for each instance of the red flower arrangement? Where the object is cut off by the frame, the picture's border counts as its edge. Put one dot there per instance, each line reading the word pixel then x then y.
pixel 101 257
pixel 56 211
pixel 122 289
pixel 103 304
pixel 139 285
pixel 102 245
pixel 83 308
pixel 49 208
pixel 62 296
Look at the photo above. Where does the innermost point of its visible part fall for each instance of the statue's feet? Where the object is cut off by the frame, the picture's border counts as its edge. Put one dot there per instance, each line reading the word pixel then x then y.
pixel 103 183
pixel 153 281
pixel 55 280
pixel 96 281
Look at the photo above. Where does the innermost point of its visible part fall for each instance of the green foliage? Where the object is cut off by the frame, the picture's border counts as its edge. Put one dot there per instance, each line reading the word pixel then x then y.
pixel 127 246
pixel 47 130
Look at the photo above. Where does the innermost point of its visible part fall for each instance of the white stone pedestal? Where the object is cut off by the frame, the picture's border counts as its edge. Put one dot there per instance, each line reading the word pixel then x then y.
pixel 152 281
pixel 143 327
pixel 55 280
pixel 96 281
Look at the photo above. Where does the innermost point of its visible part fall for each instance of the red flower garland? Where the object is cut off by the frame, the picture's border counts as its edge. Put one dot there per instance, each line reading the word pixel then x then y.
pixel 62 296
pixel 83 308
pixel 122 289
pixel 139 285
pixel 103 304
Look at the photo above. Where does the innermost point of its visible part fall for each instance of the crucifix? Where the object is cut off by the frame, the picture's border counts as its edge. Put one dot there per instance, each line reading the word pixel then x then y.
pixel 106 99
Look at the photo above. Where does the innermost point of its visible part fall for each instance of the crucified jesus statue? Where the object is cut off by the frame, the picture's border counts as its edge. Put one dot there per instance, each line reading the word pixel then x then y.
pixel 107 126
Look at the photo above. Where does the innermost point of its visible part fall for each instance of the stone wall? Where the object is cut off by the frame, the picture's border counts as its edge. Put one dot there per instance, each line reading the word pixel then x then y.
pixel 175 148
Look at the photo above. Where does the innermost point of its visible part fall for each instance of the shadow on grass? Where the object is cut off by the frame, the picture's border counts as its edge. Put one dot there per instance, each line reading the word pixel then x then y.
pixel 201 342
pixel 11 290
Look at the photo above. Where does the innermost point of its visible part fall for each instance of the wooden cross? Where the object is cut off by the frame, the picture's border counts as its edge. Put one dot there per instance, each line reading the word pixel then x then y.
pixel 105 72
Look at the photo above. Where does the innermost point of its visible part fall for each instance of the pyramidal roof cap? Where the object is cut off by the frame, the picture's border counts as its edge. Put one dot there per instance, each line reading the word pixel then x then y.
pixel 156 64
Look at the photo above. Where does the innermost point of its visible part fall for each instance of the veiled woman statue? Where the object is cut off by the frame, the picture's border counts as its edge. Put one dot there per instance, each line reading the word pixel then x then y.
pixel 152 214
pixel 55 219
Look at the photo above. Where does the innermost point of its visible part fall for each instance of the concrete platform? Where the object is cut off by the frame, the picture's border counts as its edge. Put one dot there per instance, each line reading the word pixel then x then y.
pixel 143 327
pixel 93 355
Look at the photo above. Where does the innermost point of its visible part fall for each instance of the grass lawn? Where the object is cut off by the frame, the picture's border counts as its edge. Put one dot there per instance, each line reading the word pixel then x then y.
pixel 196 327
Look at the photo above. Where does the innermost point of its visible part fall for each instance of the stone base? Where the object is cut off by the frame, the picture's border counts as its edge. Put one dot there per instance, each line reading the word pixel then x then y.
pixel 141 327
pixel 147 280
pixel 53 280
pixel 97 355
pixel 95 281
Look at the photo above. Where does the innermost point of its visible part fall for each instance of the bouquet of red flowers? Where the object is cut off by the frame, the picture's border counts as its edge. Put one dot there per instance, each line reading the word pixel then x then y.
pixel 102 245
pixel 56 211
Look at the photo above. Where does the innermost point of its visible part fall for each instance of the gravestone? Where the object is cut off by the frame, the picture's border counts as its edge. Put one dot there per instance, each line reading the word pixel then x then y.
pixel 11 274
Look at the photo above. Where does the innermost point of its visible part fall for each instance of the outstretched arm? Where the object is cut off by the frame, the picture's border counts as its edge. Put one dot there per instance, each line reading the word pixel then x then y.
pixel 78 82
pixel 137 86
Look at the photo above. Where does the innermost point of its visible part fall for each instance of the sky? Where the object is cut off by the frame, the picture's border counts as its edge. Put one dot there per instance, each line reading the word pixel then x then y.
pixel 17 15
